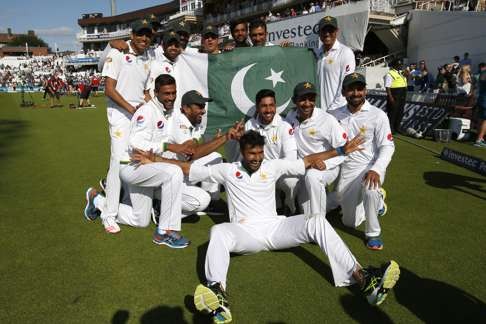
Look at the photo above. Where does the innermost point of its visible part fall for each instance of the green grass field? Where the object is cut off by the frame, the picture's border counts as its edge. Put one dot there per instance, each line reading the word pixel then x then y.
pixel 58 268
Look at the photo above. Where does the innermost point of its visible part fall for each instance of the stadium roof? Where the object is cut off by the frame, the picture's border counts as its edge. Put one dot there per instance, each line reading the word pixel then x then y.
pixel 168 8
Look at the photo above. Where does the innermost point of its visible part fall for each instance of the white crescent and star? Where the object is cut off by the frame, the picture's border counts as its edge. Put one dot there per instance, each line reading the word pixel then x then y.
pixel 238 93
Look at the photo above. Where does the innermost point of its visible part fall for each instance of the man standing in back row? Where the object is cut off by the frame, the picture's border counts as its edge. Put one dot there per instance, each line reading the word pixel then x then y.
pixel 125 75
pixel 335 61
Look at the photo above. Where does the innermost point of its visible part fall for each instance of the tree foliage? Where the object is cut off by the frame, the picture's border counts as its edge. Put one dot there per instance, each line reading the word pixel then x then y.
pixel 31 40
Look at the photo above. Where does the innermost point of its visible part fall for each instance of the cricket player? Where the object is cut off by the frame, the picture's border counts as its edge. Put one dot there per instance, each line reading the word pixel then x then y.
pixel 166 63
pixel 187 128
pixel 279 140
pixel 255 226
pixel 125 77
pixel 335 61
pixel 315 131
pixel 363 172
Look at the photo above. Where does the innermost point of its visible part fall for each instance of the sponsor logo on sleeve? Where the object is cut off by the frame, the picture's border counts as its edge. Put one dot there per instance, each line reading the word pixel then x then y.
pixel 291 131
pixel 140 120
pixel 390 137
pixel 128 59
pixel 238 175
pixel 160 124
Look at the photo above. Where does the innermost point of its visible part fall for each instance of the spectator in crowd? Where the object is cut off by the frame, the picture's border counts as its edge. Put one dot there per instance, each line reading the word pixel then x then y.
pixel 396 90
pixel 481 104
pixel 456 64
pixel 466 60
pixel 464 80
pixel 422 78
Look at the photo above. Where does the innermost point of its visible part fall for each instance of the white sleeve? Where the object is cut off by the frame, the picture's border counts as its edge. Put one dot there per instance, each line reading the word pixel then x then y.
pixel 287 168
pixel 215 173
pixel 384 142
pixel 112 66
pixel 103 56
pixel 289 145
pixel 140 132
pixel 337 137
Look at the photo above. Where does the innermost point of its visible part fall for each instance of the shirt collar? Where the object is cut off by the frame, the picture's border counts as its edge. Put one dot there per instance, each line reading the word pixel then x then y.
pixel 186 122
pixel 161 106
pixel 366 107
pixel 334 47
pixel 275 122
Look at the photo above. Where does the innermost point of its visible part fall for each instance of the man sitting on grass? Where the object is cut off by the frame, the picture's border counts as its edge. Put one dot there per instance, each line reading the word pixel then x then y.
pixel 255 226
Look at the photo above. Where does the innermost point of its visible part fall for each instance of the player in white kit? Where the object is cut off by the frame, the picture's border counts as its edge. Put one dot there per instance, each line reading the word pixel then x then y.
pixel 125 77
pixel 363 172
pixel 255 226
pixel 187 127
pixel 315 131
pixel 279 140
pixel 335 61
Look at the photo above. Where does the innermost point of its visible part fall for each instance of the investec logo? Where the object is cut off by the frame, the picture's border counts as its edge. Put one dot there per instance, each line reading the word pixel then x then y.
pixel 296 32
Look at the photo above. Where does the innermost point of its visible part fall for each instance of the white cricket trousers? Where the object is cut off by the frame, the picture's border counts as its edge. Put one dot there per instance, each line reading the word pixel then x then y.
pixel 358 203
pixel 277 233
pixel 143 179
pixel 119 129
pixel 314 200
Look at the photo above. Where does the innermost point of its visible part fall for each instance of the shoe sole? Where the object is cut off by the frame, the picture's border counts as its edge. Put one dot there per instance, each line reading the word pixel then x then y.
pixel 171 246
pixel 87 206
pixel 206 301
pixel 383 193
pixel 390 278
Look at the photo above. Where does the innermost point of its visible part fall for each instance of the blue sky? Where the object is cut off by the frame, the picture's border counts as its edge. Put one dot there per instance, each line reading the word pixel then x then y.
pixel 55 21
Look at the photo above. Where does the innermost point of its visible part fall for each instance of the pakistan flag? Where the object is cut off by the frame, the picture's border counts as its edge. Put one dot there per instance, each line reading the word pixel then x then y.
pixel 232 79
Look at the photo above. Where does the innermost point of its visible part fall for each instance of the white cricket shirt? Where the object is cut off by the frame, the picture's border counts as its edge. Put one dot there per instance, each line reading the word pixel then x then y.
pixel 251 198
pixel 182 130
pixel 332 67
pixel 149 129
pixel 372 123
pixel 130 72
pixel 279 138
pixel 321 132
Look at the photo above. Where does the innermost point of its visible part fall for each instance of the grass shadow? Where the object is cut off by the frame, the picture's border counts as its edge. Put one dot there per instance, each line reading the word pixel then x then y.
pixel 334 218
pixel 10 132
pixel 445 180
pixel 163 314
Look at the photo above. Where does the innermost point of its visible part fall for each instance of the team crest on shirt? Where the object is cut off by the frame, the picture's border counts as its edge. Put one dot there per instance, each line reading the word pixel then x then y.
pixel 108 60
pixel 146 67
pixel 118 133
pixel 128 59
pixel 238 175
pixel 274 139
pixel 362 130
pixel 140 120
pixel 330 61
pixel 160 124
pixel 312 132
pixel 263 176
pixel 390 137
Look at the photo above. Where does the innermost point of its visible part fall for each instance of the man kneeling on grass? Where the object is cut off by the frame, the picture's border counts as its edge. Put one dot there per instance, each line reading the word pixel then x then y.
pixel 255 226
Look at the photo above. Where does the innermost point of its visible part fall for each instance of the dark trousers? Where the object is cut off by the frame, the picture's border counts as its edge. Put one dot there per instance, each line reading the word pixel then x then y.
pixel 395 110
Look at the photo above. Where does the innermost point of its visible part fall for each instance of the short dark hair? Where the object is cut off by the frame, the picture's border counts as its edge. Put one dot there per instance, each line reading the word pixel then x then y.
pixel 264 93
pixel 258 23
pixel 251 139
pixel 236 22
pixel 456 58
pixel 164 79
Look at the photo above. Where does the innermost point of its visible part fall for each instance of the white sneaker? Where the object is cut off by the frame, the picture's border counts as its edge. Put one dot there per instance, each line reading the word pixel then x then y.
pixel 111 225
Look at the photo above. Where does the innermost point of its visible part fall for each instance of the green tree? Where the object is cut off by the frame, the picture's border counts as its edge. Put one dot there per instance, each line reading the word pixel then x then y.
pixel 32 40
